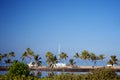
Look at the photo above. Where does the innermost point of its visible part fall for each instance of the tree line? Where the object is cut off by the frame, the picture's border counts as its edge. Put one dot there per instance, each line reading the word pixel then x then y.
pixel 52 59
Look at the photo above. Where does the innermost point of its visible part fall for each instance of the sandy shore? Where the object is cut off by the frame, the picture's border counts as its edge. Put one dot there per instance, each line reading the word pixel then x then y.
pixel 74 68
pixel 68 68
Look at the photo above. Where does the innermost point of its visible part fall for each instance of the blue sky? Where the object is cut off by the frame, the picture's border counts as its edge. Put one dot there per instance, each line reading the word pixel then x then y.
pixel 76 25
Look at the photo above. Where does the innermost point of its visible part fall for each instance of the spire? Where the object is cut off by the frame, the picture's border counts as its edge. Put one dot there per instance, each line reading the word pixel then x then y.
pixel 58 51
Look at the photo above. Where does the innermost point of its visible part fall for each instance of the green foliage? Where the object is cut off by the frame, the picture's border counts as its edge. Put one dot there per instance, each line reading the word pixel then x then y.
pixel 99 74
pixel 85 55
pixel 63 56
pixel 0 57
pixel 18 77
pixel 72 62
pixel 113 60
pixel 51 59
pixel 103 74
pixel 18 68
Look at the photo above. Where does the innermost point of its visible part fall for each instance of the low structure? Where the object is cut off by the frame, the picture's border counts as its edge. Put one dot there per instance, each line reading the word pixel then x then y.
pixel 60 65
pixel 32 65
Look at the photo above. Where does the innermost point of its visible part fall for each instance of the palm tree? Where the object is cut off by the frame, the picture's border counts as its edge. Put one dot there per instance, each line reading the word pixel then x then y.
pixel 37 60
pixel 27 54
pixel 63 56
pixel 0 57
pixel 101 57
pixel 5 55
pixel 49 55
pixel 94 58
pixel 110 62
pixel 53 61
pixel 85 55
pixel 12 54
pixel 113 60
pixel 71 62
pixel 77 55
pixel 8 61
pixel 24 56
pixel 6 58
pixel 30 53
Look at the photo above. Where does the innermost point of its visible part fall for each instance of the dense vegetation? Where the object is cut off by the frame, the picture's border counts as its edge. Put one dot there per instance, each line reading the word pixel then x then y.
pixel 20 71
pixel 18 68
pixel 100 74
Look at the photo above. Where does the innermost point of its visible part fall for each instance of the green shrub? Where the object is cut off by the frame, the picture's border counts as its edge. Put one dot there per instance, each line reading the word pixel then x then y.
pixel 102 74
pixel 18 68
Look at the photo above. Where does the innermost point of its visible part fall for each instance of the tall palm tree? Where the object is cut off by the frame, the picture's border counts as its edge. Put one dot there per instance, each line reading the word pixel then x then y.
pixel 30 53
pixel 113 60
pixel 24 56
pixel 85 55
pixel 110 62
pixel 8 61
pixel 77 55
pixel 6 58
pixel 37 60
pixel 5 55
pixel 11 54
pixel 0 57
pixel 53 61
pixel 49 55
pixel 101 57
pixel 63 56
pixel 94 58
pixel 71 62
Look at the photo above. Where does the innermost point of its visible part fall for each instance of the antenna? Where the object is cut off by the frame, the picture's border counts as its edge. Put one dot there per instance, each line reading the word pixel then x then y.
pixel 58 50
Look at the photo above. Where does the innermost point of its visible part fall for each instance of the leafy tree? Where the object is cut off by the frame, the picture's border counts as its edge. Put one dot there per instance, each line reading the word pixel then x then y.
pixel 24 56
pixel 6 57
pixel 0 57
pixel 94 58
pixel 12 54
pixel 27 54
pixel 85 55
pixel 53 61
pixel 18 68
pixel 37 60
pixel 113 60
pixel 63 56
pixel 30 53
pixel 103 74
pixel 71 62
pixel 49 55
pixel 101 57
pixel 77 56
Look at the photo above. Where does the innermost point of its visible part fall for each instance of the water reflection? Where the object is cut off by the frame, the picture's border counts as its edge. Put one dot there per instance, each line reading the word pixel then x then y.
pixel 42 74
pixel 36 73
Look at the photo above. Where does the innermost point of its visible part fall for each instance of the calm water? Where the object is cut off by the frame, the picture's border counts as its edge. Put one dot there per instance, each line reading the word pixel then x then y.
pixel 45 73
pixel 78 62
